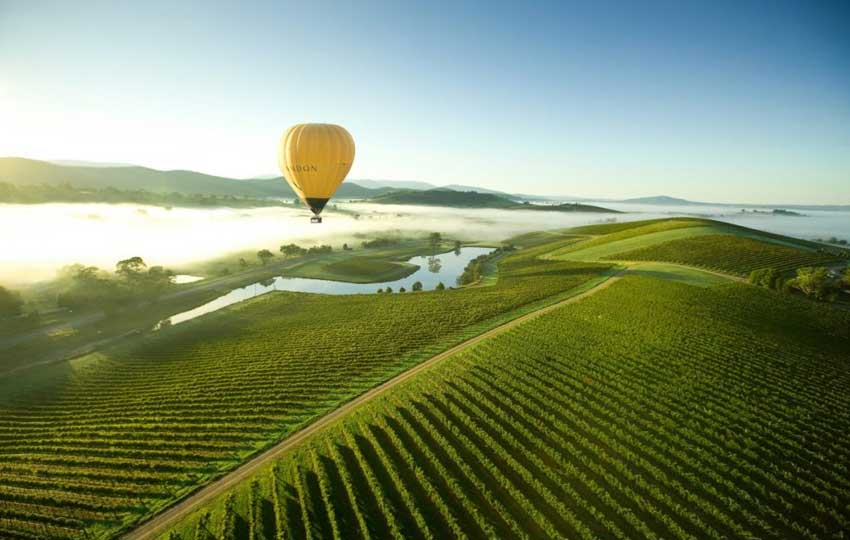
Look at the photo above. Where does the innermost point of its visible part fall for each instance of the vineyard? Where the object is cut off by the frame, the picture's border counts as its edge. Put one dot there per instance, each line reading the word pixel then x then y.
pixel 728 253
pixel 90 446
pixel 649 410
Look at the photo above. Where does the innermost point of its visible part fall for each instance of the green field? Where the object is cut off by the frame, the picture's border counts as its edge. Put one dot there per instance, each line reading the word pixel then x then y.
pixel 696 242
pixel 727 253
pixel 676 403
pixel 96 443
pixel 359 270
pixel 652 409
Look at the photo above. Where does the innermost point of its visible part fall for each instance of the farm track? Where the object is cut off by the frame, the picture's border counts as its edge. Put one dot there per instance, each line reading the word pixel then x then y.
pixel 160 522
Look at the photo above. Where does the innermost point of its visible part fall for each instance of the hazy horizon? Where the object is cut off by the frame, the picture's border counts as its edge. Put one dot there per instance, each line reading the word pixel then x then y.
pixel 437 184
pixel 728 101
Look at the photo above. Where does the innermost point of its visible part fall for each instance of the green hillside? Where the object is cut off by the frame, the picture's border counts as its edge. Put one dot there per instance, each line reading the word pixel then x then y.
pixel 28 172
pixel 111 437
pixel 673 403
pixel 474 199
pixel 594 421
pixel 728 253
pixel 737 249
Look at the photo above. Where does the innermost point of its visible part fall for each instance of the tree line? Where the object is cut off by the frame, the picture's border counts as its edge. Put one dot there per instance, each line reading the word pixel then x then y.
pixel 818 282
pixel 89 287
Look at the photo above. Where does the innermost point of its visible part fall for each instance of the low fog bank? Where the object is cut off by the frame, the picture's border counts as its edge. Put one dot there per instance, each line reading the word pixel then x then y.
pixel 40 239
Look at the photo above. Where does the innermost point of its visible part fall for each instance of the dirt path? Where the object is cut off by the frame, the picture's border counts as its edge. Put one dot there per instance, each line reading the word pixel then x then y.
pixel 162 521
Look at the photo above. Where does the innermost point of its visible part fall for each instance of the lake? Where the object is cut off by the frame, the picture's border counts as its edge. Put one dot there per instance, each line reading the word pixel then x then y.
pixel 443 268
pixel 39 239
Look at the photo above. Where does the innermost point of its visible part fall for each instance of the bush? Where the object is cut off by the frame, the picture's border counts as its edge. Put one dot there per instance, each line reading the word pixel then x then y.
pixel 769 278
pixel 379 243
pixel 814 281
pixel 292 250
pixel 318 250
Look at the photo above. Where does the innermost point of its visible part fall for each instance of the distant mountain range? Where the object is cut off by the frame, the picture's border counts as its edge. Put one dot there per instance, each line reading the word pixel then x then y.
pixel 86 174
pixel 28 172
pixel 474 199
pixel 673 201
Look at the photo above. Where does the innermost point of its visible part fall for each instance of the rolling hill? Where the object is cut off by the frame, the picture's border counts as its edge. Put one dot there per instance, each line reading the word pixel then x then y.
pixel 474 199
pixel 28 172
pixel 661 405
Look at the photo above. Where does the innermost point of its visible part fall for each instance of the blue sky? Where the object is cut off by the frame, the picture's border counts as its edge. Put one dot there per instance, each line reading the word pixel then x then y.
pixel 726 101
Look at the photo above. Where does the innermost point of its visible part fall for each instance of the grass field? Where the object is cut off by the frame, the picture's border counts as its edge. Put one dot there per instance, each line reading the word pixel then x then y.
pixel 358 270
pixel 93 444
pixel 652 409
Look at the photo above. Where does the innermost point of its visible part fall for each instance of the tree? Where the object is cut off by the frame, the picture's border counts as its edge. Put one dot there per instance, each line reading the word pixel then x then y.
pixel 770 278
pixel 389 289
pixel 318 250
pixel 156 281
pixel 243 264
pixel 380 290
pixel 417 286
pixel 292 250
pixel 402 289
pixel 435 239
pixel 457 247
pixel 10 303
pixel 440 287
pixel 130 269
pixel 813 281
pixel 265 256
pixel 346 247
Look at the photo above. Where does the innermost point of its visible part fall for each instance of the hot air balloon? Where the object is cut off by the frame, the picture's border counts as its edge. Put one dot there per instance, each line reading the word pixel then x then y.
pixel 314 159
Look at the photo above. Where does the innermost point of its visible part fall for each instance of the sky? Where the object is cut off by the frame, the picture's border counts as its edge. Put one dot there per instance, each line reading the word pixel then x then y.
pixel 719 101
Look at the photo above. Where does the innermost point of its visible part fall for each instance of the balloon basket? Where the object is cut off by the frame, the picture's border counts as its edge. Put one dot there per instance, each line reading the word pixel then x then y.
pixel 315 219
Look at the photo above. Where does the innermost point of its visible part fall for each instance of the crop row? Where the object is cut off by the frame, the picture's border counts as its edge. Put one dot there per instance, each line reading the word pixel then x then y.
pixel 108 438
pixel 594 421
pixel 727 253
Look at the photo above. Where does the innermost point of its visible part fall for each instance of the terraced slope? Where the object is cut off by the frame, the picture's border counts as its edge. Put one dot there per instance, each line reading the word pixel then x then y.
pixel 91 445
pixel 650 410
pixel 727 253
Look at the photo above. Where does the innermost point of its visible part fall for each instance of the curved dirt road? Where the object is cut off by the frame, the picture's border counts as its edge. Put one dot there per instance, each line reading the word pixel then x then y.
pixel 162 521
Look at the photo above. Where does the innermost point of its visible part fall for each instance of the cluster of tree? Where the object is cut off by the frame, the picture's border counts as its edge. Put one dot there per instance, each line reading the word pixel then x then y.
pixel 45 193
pixel 474 271
pixel 318 250
pixel 294 250
pixel 11 303
pixel 833 240
pixel 88 287
pixel 416 287
pixel 380 243
pixel 769 278
pixel 816 282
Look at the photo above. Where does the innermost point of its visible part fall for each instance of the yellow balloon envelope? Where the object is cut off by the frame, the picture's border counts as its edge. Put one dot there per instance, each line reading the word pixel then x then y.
pixel 314 159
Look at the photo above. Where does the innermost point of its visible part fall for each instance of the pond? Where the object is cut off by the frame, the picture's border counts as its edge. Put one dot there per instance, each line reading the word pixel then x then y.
pixel 443 268
pixel 181 279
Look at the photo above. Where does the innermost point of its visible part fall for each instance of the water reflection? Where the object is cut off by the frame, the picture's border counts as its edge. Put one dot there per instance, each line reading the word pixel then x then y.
pixel 432 270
